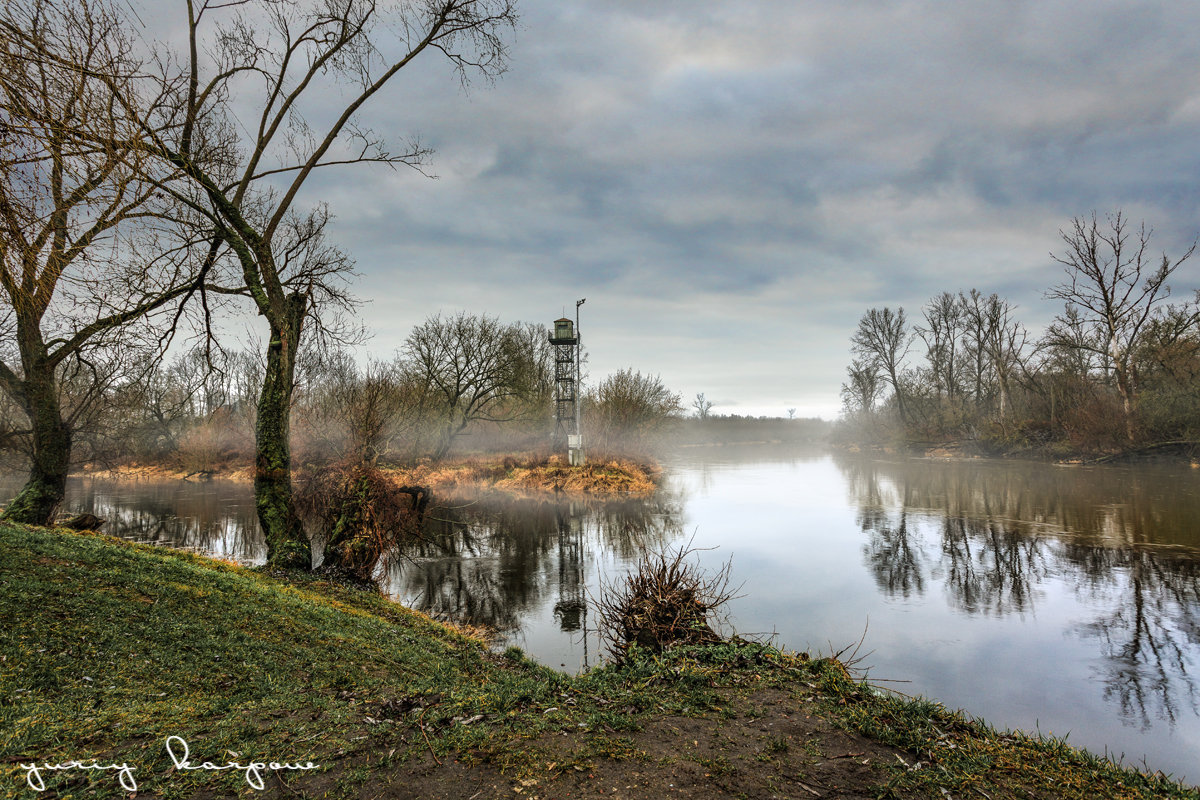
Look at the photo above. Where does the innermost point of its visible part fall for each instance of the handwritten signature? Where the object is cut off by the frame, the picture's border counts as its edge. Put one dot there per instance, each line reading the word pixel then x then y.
pixel 180 754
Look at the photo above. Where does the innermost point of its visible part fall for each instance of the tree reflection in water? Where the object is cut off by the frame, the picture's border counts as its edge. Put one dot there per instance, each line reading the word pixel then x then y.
pixel 213 517
pixel 1004 533
pixel 492 561
pixel 1151 636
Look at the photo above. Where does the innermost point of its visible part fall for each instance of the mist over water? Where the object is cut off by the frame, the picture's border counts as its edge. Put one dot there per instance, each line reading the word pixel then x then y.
pixel 1059 599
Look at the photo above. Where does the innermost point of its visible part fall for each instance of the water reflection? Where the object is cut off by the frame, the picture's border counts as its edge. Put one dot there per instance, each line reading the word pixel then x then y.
pixel 499 562
pixel 984 534
pixel 214 517
pixel 1149 632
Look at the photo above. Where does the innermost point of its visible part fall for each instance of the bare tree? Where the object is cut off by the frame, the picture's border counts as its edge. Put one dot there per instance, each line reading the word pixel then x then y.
pixel 862 388
pixel 1115 283
pixel 74 189
pixel 474 369
pixel 974 343
pixel 702 406
pixel 247 156
pixel 883 340
pixel 943 328
pixel 1005 343
pixel 630 409
pixel 355 415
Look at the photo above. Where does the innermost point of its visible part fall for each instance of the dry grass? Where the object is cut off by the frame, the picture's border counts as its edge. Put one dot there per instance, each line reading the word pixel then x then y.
pixel 238 473
pixel 668 600
pixel 531 473
pixel 534 474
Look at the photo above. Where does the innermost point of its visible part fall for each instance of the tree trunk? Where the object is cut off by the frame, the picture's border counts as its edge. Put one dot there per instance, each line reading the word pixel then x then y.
pixel 287 544
pixel 1126 390
pixel 47 483
pixel 900 404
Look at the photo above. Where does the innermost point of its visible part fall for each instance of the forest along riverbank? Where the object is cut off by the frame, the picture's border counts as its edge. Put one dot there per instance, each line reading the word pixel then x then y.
pixel 518 474
pixel 122 646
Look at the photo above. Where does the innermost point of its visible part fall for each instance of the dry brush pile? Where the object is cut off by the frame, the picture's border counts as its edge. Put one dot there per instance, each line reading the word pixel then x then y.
pixel 667 600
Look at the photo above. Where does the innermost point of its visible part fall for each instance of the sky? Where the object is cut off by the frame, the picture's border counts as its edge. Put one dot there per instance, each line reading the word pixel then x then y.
pixel 731 184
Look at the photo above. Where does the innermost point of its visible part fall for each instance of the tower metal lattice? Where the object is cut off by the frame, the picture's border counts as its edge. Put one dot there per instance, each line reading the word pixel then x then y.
pixel 566 388
pixel 565 344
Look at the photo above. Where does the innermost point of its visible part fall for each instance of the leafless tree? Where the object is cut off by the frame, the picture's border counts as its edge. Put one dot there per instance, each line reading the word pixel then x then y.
pixel 1006 345
pixel 353 414
pixel 1115 283
pixel 997 344
pixel 702 406
pixel 250 123
pixel 629 410
pixel 75 189
pixel 941 333
pixel 472 369
pixel 862 388
pixel 883 340
pixel 974 344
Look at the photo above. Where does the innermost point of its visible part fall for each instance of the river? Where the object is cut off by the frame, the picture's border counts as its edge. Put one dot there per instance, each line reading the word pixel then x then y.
pixel 1064 600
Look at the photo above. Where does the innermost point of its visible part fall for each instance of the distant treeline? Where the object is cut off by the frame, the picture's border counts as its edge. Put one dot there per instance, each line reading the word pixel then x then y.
pixel 1117 370
pixel 735 429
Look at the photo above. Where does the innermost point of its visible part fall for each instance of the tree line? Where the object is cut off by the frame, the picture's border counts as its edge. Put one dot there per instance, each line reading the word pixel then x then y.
pixel 1118 368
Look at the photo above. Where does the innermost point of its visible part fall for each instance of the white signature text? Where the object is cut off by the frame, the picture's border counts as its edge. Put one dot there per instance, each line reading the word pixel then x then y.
pixel 177 749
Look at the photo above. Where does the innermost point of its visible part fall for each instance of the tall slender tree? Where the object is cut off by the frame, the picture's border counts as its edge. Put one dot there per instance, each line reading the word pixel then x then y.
pixel 883 340
pixel 250 124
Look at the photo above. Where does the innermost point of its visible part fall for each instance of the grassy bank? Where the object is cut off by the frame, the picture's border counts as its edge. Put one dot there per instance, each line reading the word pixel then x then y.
pixel 520 474
pixel 109 648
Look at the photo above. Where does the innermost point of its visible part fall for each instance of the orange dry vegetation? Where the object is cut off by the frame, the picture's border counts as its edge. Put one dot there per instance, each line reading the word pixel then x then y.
pixel 600 477
pixel 606 475
pixel 160 472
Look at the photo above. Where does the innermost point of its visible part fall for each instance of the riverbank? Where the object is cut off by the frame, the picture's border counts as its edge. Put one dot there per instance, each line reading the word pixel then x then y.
pixel 116 647
pixel 521 474
pixel 1184 452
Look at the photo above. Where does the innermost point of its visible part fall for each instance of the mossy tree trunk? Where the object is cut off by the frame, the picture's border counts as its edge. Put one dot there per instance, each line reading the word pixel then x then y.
pixel 51 457
pixel 287 543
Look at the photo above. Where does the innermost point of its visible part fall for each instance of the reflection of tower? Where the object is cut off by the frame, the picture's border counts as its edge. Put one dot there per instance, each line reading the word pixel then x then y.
pixel 571 608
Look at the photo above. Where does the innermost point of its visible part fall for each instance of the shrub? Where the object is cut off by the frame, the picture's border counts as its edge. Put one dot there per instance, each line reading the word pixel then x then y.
pixel 668 600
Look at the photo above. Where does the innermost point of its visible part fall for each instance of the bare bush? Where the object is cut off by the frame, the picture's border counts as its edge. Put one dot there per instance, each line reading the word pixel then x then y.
pixel 667 601
pixel 627 412
pixel 473 369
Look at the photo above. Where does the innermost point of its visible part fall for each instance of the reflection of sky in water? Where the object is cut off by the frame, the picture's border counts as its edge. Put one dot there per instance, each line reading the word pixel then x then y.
pixel 1039 597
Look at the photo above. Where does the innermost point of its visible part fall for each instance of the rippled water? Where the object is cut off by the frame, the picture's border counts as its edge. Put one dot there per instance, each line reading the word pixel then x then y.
pixel 1059 599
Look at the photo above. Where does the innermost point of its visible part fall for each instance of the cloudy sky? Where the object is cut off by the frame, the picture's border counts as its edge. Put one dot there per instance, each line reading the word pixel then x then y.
pixel 731 184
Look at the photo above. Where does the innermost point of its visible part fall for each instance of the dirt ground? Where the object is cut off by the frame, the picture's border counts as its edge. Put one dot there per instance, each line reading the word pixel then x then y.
pixel 768 745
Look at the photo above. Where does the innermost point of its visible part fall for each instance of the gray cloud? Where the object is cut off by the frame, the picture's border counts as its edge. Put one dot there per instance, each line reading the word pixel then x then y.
pixel 731 184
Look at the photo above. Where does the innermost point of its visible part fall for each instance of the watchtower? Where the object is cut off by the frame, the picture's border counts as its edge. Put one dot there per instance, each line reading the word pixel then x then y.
pixel 565 339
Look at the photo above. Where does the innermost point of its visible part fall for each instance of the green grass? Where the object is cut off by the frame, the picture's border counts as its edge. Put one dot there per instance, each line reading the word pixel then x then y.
pixel 107 648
